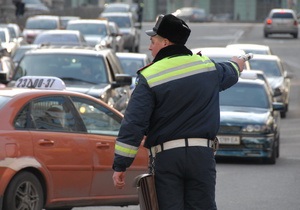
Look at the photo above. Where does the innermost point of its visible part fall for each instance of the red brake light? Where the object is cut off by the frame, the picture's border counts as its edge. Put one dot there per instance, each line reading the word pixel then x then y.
pixel 295 23
pixel 269 21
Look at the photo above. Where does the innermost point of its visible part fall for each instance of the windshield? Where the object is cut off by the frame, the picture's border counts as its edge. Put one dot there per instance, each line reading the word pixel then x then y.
pixel 270 68
pixel 122 21
pixel 245 95
pixel 69 67
pixel 56 38
pixel 3 36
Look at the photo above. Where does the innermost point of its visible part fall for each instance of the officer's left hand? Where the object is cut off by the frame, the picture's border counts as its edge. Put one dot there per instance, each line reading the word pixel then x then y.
pixel 119 179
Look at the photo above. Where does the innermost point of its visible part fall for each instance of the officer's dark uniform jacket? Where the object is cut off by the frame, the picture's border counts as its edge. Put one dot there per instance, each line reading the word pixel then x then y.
pixel 177 96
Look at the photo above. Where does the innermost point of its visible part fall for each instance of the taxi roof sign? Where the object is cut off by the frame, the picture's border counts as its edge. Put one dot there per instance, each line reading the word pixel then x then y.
pixel 40 82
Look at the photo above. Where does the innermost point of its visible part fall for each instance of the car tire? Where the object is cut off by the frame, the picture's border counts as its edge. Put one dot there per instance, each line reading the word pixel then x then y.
pixel 24 190
pixel 283 114
pixel 266 35
pixel 295 35
pixel 136 49
pixel 272 159
pixel 278 149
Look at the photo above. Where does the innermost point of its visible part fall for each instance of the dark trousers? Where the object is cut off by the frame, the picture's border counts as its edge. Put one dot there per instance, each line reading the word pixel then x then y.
pixel 185 179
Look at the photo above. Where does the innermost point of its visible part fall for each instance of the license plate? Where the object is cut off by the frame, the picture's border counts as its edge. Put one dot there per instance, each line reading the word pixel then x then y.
pixel 229 139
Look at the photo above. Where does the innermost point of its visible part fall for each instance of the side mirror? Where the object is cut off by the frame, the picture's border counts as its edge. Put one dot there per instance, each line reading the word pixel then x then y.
pixel 123 80
pixel 4 78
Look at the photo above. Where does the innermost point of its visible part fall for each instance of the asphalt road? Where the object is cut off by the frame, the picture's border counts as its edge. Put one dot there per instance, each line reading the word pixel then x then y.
pixel 246 184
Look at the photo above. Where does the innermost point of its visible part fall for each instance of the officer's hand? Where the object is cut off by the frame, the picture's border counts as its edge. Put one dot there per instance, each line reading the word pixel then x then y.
pixel 240 62
pixel 119 179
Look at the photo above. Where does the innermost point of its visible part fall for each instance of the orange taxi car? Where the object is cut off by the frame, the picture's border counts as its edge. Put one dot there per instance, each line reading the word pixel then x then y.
pixel 57 149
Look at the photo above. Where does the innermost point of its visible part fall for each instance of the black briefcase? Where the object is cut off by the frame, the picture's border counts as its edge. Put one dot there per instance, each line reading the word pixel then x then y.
pixel 147 192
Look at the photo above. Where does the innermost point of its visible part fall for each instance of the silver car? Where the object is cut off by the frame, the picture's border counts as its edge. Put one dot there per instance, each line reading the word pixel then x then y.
pixel 281 21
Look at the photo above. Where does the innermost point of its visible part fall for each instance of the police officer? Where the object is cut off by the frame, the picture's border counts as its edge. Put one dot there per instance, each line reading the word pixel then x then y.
pixel 176 106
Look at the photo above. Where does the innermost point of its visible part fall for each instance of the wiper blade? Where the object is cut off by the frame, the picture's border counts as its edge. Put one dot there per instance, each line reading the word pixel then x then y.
pixel 76 79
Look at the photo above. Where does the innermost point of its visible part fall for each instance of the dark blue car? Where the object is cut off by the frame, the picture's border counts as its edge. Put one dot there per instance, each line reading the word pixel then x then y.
pixel 250 121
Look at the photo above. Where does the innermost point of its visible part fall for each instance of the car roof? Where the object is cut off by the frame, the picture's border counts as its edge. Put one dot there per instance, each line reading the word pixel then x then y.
pixel 70 50
pixel 117 4
pixel 218 51
pixel 249 46
pixel 265 57
pixel 120 14
pixel 43 17
pixel 18 93
pixel 100 21
pixel 131 55
pixel 76 32
pixel 281 10
pixel 251 81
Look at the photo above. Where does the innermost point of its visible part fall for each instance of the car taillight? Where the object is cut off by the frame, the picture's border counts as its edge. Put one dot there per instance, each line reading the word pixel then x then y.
pixel 295 23
pixel 269 21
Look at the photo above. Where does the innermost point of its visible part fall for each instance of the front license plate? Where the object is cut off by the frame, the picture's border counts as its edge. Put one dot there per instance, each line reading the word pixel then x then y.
pixel 229 139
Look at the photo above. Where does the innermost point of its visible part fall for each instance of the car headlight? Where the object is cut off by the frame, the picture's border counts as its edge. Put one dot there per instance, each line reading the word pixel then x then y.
pixel 256 129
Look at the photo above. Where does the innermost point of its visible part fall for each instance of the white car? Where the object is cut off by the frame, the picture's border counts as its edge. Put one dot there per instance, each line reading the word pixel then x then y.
pixel 95 32
pixel 252 48
pixel 220 54
pixel 277 76
pixel 281 21
pixel 7 41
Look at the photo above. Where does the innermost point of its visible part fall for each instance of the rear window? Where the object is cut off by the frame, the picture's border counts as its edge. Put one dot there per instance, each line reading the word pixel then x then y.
pixel 285 15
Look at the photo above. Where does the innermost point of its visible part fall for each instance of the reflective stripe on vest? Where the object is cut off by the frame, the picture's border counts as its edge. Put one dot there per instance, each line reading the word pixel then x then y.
pixel 125 150
pixel 169 69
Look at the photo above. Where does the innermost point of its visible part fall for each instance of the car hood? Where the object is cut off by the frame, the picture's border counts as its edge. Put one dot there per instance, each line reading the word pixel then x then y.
pixel 32 31
pixel 92 39
pixel 275 81
pixel 91 89
pixel 242 115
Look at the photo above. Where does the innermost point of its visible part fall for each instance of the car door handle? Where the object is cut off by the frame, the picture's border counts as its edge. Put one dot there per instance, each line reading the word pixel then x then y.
pixel 102 145
pixel 46 142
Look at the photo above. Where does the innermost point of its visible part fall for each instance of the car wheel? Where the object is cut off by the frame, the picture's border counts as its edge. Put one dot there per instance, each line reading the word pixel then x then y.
pixel 266 35
pixel 283 114
pixel 295 35
pixel 136 49
pixel 277 148
pixel 272 159
pixel 24 192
